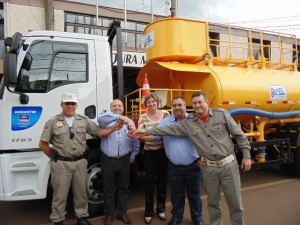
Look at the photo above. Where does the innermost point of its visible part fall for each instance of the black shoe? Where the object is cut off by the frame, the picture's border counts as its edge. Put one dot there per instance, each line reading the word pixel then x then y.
pixel 108 221
pixel 59 223
pixel 83 221
pixel 125 219
pixel 173 222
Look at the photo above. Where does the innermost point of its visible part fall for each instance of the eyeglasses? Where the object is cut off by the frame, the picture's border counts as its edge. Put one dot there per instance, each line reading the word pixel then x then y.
pixel 71 132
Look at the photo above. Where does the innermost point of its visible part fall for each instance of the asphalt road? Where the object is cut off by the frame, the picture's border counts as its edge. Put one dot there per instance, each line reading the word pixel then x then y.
pixel 269 196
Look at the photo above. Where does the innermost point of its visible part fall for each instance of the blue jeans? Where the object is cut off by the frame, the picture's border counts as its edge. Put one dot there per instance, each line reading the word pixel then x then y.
pixel 185 179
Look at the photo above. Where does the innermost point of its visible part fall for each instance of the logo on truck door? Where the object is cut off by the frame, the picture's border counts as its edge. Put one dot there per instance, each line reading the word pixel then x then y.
pixel 23 118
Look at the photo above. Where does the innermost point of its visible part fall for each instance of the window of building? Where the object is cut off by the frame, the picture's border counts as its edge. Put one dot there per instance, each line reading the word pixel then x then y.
pixel 133 37
pixel 257 49
pixel 214 40
pixel 140 27
pixel 296 54
pixel 53 64
pixel 129 25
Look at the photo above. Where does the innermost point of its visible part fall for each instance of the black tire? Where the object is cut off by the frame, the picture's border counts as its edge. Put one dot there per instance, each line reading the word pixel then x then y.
pixel 296 163
pixel 94 187
pixel 293 168
pixel 287 169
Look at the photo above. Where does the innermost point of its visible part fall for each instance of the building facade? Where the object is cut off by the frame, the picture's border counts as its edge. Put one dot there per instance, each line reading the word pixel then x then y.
pixel 72 16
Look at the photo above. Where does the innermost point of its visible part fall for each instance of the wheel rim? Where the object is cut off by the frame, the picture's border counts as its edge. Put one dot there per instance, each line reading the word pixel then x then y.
pixel 94 184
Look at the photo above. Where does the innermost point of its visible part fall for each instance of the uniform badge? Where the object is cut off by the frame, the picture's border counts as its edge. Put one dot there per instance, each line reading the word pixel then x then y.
pixel 196 126
pixel 59 124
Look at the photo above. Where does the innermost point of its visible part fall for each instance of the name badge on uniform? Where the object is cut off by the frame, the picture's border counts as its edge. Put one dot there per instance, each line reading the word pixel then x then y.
pixel 59 124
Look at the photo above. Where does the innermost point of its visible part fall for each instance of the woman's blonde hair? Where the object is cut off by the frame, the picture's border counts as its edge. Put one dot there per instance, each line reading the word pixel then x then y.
pixel 151 95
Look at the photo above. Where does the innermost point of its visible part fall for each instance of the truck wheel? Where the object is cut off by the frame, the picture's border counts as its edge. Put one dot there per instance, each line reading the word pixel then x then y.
pixel 296 163
pixel 293 168
pixel 94 188
pixel 287 169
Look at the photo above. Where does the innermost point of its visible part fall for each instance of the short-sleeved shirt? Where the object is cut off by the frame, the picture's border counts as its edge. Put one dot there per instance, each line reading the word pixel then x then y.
pixel 57 132
pixel 211 138
pixel 179 149
pixel 146 123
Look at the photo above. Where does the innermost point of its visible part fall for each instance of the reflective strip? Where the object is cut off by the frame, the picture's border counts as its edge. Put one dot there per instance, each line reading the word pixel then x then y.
pixel 228 103
pixel 287 102
pixel 271 102
pixel 250 102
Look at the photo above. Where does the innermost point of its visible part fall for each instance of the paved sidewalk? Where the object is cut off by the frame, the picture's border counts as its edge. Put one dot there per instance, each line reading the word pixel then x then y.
pixel 272 203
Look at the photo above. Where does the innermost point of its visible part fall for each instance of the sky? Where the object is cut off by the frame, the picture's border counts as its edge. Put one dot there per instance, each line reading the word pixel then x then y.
pixel 278 16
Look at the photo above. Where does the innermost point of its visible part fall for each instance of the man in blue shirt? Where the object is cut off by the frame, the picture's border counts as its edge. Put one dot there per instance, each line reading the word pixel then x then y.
pixel 118 152
pixel 184 168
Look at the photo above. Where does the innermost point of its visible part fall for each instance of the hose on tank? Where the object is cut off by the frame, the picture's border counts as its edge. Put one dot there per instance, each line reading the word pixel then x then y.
pixel 262 113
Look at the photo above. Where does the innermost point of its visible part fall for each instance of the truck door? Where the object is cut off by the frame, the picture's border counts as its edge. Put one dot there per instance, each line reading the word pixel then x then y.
pixel 52 66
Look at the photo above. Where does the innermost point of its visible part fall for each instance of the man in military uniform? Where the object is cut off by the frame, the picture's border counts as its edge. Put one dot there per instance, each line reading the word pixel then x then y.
pixel 210 130
pixel 66 133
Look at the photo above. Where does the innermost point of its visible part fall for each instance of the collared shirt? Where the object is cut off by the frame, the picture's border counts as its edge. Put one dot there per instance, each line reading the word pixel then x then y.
pixel 56 131
pixel 117 144
pixel 212 138
pixel 179 150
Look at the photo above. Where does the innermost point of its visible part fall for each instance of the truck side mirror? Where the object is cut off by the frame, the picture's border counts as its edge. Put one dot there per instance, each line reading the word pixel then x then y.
pixel 10 69
pixel 13 45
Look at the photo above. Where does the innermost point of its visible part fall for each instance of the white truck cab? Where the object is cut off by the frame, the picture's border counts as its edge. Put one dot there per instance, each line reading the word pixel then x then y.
pixel 38 69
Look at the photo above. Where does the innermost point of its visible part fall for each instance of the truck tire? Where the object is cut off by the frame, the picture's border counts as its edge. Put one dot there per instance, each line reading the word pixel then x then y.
pixel 287 169
pixel 296 163
pixel 293 168
pixel 94 188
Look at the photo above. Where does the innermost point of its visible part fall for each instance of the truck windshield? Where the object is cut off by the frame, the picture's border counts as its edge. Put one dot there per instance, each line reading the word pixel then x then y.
pixel 49 64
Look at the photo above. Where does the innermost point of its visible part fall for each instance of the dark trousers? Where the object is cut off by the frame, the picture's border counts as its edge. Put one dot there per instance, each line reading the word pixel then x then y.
pixel 115 174
pixel 156 165
pixel 185 179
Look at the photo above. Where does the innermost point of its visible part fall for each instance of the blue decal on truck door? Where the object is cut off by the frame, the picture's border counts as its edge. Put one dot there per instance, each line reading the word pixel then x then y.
pixel 23 118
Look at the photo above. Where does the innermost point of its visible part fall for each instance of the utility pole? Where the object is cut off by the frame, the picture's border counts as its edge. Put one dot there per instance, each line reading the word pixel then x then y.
pixel 173 9
pixel 49 14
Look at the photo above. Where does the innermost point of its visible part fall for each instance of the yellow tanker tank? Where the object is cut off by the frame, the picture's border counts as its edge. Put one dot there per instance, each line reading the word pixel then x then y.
pixel 249 72
pixel 180 56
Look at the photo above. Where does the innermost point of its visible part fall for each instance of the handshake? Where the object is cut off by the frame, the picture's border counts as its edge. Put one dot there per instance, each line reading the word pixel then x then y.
pixel 132 131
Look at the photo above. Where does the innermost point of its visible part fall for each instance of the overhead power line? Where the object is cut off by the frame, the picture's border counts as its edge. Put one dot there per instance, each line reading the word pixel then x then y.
pixel 265 20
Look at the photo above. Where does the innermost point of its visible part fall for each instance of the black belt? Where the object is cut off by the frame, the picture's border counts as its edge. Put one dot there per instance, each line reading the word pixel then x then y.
pixel 184 166
pixel 55 156
pixel 116 158
pixel 71 159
